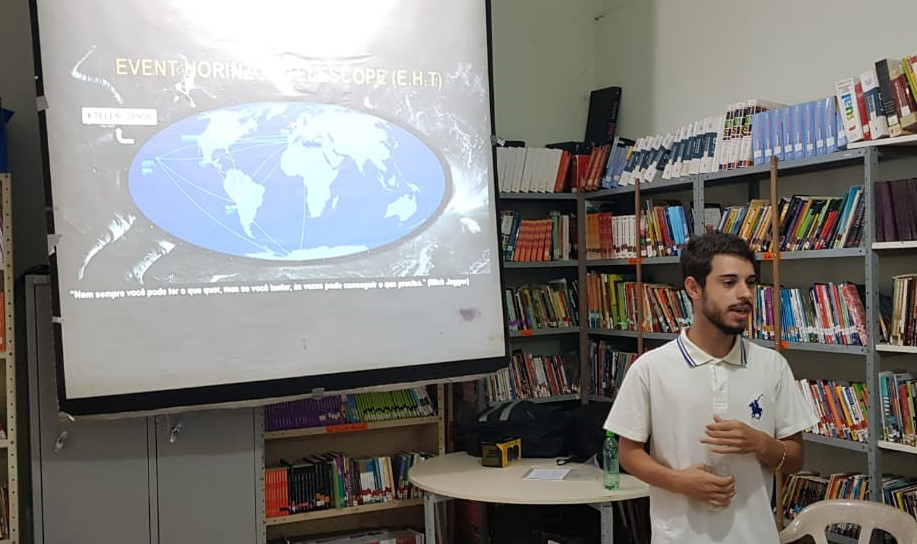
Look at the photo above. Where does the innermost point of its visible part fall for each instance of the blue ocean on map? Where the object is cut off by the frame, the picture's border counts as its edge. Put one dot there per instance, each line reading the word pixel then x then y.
pixel 288 181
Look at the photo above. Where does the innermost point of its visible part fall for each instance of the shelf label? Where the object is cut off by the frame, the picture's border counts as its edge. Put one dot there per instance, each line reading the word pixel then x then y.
pixel 633 260
pixel 347 428
pixel 784 344
pixel 527 332
pixel 768 255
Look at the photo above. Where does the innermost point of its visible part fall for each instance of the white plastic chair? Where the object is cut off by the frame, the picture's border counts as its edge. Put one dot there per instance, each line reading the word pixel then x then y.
pixel 869 515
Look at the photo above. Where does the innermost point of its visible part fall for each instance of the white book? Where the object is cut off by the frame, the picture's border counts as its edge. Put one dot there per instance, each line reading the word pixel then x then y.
pixel 845 90
pixel 649 161
pixel 501 168
pixel 528 169
pixel 726 139
pixel 545 158
pixel 684 168
pixel 544 178
pixel 670 165
pixel 734 148
pixel 709 129
pixel 682 139
pixel 666 145
pixel 627 176
pixel 694 166
pixel 515 168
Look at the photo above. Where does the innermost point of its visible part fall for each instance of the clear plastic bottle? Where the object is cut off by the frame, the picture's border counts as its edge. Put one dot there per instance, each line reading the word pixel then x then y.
pixel 611 472
pixel 717 463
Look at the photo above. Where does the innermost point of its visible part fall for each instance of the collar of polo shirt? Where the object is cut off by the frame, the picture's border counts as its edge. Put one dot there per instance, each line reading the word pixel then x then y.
pixel 695 356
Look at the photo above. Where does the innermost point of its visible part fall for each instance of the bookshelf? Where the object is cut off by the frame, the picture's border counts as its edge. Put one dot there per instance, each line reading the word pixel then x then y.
pixel 8 447
pixel 861 164
pixel 544 341
pixel 363 439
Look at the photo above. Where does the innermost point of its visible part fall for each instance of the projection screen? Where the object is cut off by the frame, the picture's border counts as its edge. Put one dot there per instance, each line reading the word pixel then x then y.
pixel 256 199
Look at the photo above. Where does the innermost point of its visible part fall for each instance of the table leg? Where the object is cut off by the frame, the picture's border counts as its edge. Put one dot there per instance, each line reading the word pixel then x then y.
pixel 429 518
pixel 608 522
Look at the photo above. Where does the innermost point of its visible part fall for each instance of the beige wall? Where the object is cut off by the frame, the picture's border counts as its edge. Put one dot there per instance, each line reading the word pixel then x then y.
pixel 682 60
pixel 544 62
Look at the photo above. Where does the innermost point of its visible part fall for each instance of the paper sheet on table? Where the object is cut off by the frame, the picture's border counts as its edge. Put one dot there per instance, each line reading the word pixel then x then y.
pixel 546 473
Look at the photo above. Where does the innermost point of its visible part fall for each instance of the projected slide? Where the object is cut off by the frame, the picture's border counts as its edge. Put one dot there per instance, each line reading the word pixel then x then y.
pixel 256 181
pixel 253 192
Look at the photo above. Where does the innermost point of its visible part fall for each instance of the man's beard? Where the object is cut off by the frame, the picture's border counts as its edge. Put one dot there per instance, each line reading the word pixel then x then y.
pixel 717 319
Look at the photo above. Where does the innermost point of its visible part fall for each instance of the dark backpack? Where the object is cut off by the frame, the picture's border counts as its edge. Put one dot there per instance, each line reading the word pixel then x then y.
pixel 542 428
pixel 585 431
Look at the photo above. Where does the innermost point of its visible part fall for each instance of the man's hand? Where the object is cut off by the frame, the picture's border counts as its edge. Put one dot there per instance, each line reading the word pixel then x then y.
pixel 702 485
pixel 734 436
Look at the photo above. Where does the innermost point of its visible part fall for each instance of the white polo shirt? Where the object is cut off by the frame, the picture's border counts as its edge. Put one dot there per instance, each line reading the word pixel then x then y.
pixel 669 394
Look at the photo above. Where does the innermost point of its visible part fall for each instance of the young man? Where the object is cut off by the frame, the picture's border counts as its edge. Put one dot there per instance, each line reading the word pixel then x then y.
pixel 723 413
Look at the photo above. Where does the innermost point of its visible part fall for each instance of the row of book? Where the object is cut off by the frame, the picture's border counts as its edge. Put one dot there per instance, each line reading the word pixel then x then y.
pixel 531 376
pixel 608 367
pixel 374 536
pixel 345 409
pixel 841 408
pixel 547 306
pixel 664 229
pixel 335 480
pixel 532 169
pixel 528 240
pixel 739 138
pixel 826 313
pixel 879 103
pixel 613 299
pixel 792 132
pixel 896 210
pixel 805 222
pixel 804 488
pixel 694 148
pixel 899 326
pixel 899 407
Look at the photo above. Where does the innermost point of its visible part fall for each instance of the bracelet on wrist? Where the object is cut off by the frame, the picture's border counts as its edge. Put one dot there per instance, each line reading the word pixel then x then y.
pixel 782 456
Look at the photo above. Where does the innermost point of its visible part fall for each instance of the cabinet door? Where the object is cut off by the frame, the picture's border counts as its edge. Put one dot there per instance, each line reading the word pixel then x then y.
pixel 208 477
pixel 95 486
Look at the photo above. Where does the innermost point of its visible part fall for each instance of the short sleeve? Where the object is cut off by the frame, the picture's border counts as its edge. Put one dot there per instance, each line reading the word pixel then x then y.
pixel 793 413
pixel 630 414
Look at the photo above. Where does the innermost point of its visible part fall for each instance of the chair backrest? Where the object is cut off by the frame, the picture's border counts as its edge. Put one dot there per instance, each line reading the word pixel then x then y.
pixel 868 515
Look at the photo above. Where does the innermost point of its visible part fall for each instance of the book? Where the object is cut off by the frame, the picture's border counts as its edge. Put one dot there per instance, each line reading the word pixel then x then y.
pixel 608 366
pixel 602 117
pixel 849 108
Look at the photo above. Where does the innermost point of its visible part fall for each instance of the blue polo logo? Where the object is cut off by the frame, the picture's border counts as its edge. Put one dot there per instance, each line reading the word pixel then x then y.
pixel 756 410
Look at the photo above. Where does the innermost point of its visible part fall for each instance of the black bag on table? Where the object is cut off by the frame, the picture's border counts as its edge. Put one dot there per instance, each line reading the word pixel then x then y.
pixel 542 428
pixel 586 431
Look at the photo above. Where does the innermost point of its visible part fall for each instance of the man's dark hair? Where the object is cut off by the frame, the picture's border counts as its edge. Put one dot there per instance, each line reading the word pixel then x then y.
pixel 697 256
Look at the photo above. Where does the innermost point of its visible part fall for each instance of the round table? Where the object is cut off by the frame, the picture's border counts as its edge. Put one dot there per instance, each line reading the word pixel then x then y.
pixel 461 476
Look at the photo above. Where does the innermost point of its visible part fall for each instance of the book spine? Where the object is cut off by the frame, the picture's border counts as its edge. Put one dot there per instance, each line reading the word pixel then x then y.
pixel 845 91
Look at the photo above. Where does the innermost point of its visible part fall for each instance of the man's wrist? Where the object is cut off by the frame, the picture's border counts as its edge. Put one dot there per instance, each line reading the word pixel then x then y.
pixel 766 445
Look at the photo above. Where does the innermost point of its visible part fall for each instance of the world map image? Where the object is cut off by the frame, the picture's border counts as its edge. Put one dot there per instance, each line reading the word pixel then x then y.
pixel 288 181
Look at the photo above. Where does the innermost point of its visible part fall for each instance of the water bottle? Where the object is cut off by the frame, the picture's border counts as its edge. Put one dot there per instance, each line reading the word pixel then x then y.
pixel 717 463
pixel 611 472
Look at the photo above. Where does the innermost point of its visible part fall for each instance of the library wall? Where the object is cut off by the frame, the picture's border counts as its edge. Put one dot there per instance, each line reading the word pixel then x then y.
pixel 544 61
pixel 680 61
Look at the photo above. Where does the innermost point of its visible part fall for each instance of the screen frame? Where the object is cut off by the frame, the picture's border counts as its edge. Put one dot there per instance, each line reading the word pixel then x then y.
pixel 255 392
